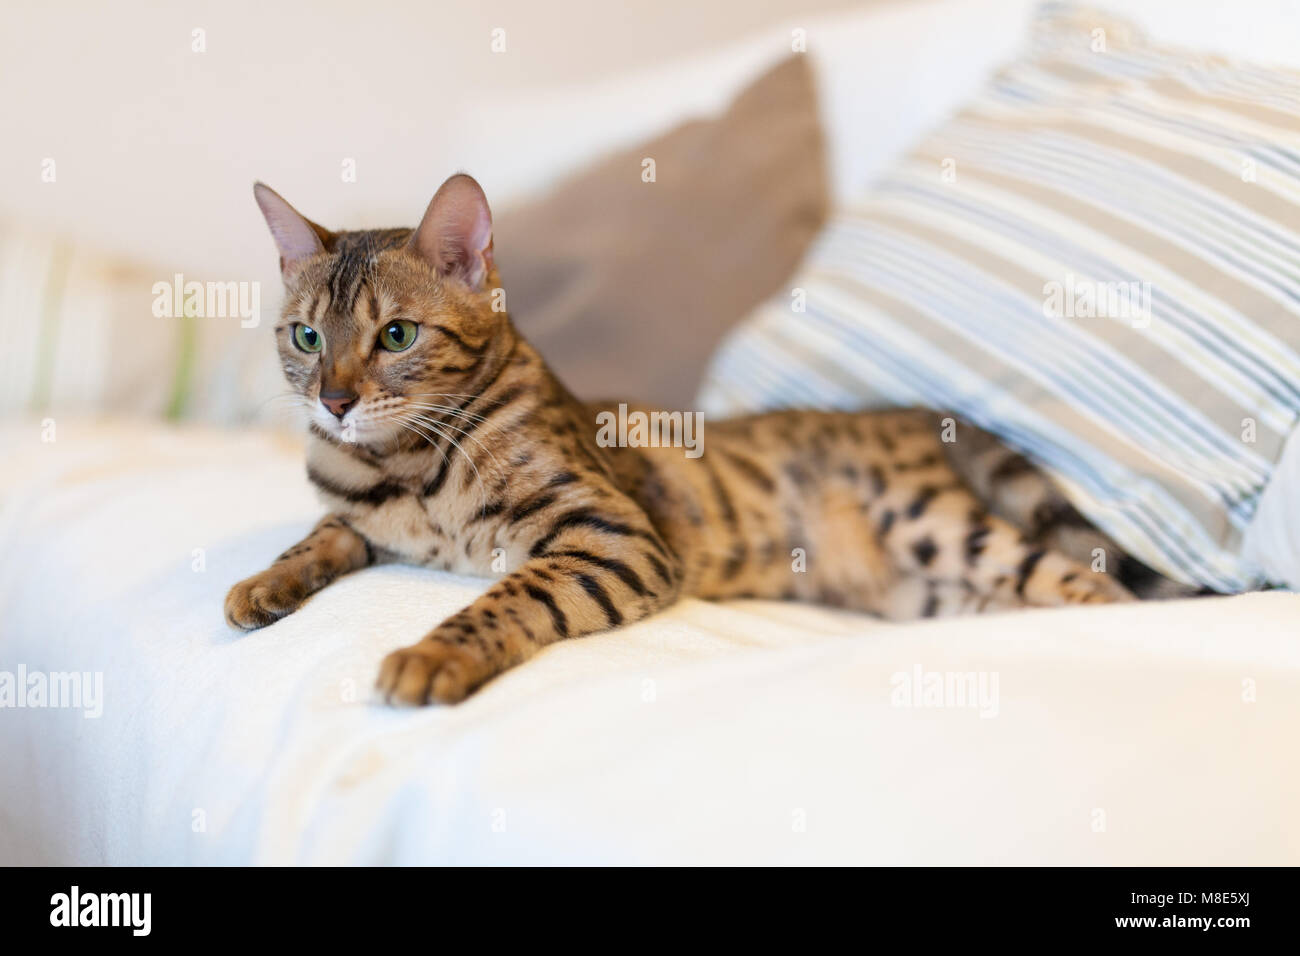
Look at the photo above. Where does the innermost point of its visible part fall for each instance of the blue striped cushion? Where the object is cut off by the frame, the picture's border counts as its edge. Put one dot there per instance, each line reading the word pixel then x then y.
pixel 1163 185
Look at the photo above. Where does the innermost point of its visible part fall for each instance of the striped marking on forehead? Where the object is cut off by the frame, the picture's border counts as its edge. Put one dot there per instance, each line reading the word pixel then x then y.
pixel 354 265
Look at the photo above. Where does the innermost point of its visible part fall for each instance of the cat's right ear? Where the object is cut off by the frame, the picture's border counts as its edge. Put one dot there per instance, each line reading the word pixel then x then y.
pixel 296 236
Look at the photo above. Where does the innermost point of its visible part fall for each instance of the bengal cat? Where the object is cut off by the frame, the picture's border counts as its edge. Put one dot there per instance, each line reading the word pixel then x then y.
pixel 439 437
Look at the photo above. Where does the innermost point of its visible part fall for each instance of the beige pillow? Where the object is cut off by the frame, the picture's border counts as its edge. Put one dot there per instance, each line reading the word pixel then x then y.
pixel 626 286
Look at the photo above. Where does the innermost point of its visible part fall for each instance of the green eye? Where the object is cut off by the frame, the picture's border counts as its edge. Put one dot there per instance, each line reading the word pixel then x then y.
pixel 398 336
pixel 307 338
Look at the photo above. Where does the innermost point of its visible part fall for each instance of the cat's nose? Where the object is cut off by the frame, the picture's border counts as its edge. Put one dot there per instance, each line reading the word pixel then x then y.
pixel 338 401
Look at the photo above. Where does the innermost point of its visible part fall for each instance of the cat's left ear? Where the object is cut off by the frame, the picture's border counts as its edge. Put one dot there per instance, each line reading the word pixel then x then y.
pixel 296 236
pixel 455 235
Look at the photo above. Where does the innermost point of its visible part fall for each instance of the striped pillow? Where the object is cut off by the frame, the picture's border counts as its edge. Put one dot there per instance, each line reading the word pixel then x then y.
pixel 81 338
pixel 1099 260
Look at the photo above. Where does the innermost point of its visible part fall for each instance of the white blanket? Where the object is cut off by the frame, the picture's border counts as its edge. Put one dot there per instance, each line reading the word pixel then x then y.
pixel 741 733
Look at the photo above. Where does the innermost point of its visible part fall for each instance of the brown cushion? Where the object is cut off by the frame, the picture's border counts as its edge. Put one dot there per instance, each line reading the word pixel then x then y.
pixel 626 287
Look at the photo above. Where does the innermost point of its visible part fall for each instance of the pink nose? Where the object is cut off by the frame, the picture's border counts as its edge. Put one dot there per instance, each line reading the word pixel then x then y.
pixel 338 401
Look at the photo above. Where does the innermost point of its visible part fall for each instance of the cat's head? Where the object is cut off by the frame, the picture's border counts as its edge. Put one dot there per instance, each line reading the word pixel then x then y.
pixel 381 328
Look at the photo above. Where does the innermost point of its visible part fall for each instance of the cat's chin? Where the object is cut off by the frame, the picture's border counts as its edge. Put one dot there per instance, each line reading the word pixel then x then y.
pixel 377 436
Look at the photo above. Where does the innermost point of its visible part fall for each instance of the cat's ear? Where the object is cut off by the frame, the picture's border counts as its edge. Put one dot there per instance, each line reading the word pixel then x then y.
pixel 296 236
pixel 455 235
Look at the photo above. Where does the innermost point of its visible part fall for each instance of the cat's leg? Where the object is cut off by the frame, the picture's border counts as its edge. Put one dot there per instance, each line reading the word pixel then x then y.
pixel 1013 488
pixel 329 552
pixel 575 589
pixel 1040 576
pixel 915 596
pixel 945 536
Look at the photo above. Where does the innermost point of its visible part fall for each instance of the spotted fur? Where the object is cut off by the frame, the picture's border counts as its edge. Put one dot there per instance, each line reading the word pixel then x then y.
pixel 464 453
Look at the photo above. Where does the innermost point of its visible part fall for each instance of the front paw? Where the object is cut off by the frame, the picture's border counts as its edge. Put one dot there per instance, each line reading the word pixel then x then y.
pixel 263 599
pixel 433 671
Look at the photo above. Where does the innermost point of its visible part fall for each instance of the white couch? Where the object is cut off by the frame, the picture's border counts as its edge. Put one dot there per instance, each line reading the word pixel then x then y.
pixel 742 733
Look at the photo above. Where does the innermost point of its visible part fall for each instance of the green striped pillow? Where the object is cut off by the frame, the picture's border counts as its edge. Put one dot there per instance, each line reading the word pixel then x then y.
pixel 81 337
pixel 1099 260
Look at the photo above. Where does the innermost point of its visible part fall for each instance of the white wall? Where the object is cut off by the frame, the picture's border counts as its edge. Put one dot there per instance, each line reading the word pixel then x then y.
pixel 156 146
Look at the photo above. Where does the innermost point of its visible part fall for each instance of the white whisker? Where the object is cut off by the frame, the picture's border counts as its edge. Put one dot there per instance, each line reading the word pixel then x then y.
pixel 453 412
pixel 478 477
pixel 467 434
pixel 451 395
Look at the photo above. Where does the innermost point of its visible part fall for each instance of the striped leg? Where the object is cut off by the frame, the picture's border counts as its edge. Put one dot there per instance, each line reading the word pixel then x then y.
pixel 1002 565
pixel 944 536
pixel 568 593
pixel 329 552
pixel 917 596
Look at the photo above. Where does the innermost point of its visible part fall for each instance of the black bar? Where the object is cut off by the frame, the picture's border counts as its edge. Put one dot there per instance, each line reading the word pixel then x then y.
pixel 928 906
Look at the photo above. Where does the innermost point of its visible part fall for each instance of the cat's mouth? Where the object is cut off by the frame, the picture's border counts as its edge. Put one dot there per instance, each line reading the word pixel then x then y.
pixel 379 422
pixel 357 426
